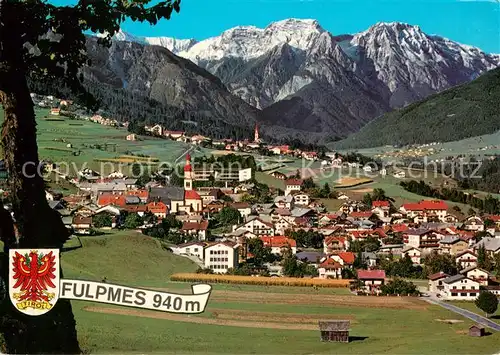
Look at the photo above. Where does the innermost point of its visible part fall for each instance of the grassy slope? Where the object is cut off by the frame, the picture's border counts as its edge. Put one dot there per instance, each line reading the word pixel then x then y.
pixel 79 133
pixel 465 111
pixel 132 259
pixel 124 257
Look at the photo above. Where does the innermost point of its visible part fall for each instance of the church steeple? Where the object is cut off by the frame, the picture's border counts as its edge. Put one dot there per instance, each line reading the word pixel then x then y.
pixel 256 134
pixel 188 174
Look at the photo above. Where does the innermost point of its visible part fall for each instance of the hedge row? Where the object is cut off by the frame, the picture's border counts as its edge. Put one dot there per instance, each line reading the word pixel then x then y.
pixel 264 281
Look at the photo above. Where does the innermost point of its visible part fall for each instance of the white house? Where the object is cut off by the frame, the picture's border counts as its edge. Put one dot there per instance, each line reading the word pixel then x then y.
pixel 192 248
pixel 476 274
pixel 301 199
pixel 466 259
pixel 474 223
pixel 292 185
pixel 221 256
pixel 436 284
pixel 415 254
pixel 259 227
pixel 460 287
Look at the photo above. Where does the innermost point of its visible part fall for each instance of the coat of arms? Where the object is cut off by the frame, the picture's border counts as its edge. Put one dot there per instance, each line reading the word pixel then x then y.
pixel 34 279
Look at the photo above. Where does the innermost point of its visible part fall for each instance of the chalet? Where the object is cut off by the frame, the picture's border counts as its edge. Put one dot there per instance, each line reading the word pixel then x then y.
pixel 436 284
pixel 259 227
pixel 460 287
pixel 381 208
pixel 371 279
pixel 159 209
pixel 421 238
pixel 278 243
pixel 477 274
pixel 281 225
pixel 466 259
pixel 293 185
pixel 329 269
pixel 196 229
pixel 191 248
pixel 284 201
pixel 361 216
pixel 301 199
pixel 55 111
pixel 474 223
pixel 82 225
pixel 334 244
pixel 282 149
pixel 221 256
pixel 452 245
pixel 131 137
pixel 157 130
pixel 414 254
pixel 426 211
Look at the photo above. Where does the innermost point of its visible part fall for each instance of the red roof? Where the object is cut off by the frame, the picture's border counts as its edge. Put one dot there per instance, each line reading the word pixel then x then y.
pixel 380 204
pixel 330 264
pixel 329 240
pixel 495 218
pixel 347 256
pixel 191 195
pixel 294 182
pixel 371 274
pixel 135 208
pixel 157 207
pixel 437 276
pixel 362 214
pixel 278 241
pixel 110 199
pixel 399 228
pixel 426 205
pixel 143 194
pixel 201 226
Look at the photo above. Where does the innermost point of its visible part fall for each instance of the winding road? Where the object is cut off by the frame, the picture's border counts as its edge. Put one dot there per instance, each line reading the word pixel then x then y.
pixel 463 312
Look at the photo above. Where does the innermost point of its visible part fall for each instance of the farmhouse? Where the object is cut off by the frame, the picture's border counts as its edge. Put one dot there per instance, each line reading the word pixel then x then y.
pixel 82 225
pixel 371 279
pixel 197 229
pixel 436 282
pixel 460 287
pixel 466 259
pixel 452 245
pixel 476 274
pixel 474 223
pixel 259 227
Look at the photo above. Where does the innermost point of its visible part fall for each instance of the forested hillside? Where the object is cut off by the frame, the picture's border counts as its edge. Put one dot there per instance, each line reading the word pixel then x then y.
pixel 465 111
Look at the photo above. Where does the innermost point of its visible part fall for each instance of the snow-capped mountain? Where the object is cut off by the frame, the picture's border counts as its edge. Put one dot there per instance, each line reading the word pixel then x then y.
pixel 172 44
pixel 303 77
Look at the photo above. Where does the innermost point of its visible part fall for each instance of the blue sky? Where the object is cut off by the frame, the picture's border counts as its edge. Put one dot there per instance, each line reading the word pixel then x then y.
pixel 473 22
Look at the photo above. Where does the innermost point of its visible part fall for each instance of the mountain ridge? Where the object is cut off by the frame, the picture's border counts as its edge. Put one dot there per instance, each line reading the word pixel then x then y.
pixel 303 77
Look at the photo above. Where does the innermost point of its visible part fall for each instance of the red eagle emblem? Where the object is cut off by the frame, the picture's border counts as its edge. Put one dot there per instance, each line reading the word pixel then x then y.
pixel 34 273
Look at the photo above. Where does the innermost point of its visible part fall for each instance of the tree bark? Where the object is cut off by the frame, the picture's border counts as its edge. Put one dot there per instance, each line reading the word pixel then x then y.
pixel 38 225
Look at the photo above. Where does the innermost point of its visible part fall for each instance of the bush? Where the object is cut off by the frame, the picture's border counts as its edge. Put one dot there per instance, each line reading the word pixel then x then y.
pixel 399 287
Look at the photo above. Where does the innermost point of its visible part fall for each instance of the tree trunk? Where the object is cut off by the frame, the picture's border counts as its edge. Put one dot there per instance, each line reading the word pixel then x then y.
pixel 38 225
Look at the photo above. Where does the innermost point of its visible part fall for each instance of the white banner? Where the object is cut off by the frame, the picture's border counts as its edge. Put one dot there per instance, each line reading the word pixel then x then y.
pixel 136 297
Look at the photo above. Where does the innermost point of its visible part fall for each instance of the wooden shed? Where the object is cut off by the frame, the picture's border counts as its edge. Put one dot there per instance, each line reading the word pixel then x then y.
pixel 335 330
pixel 476 330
